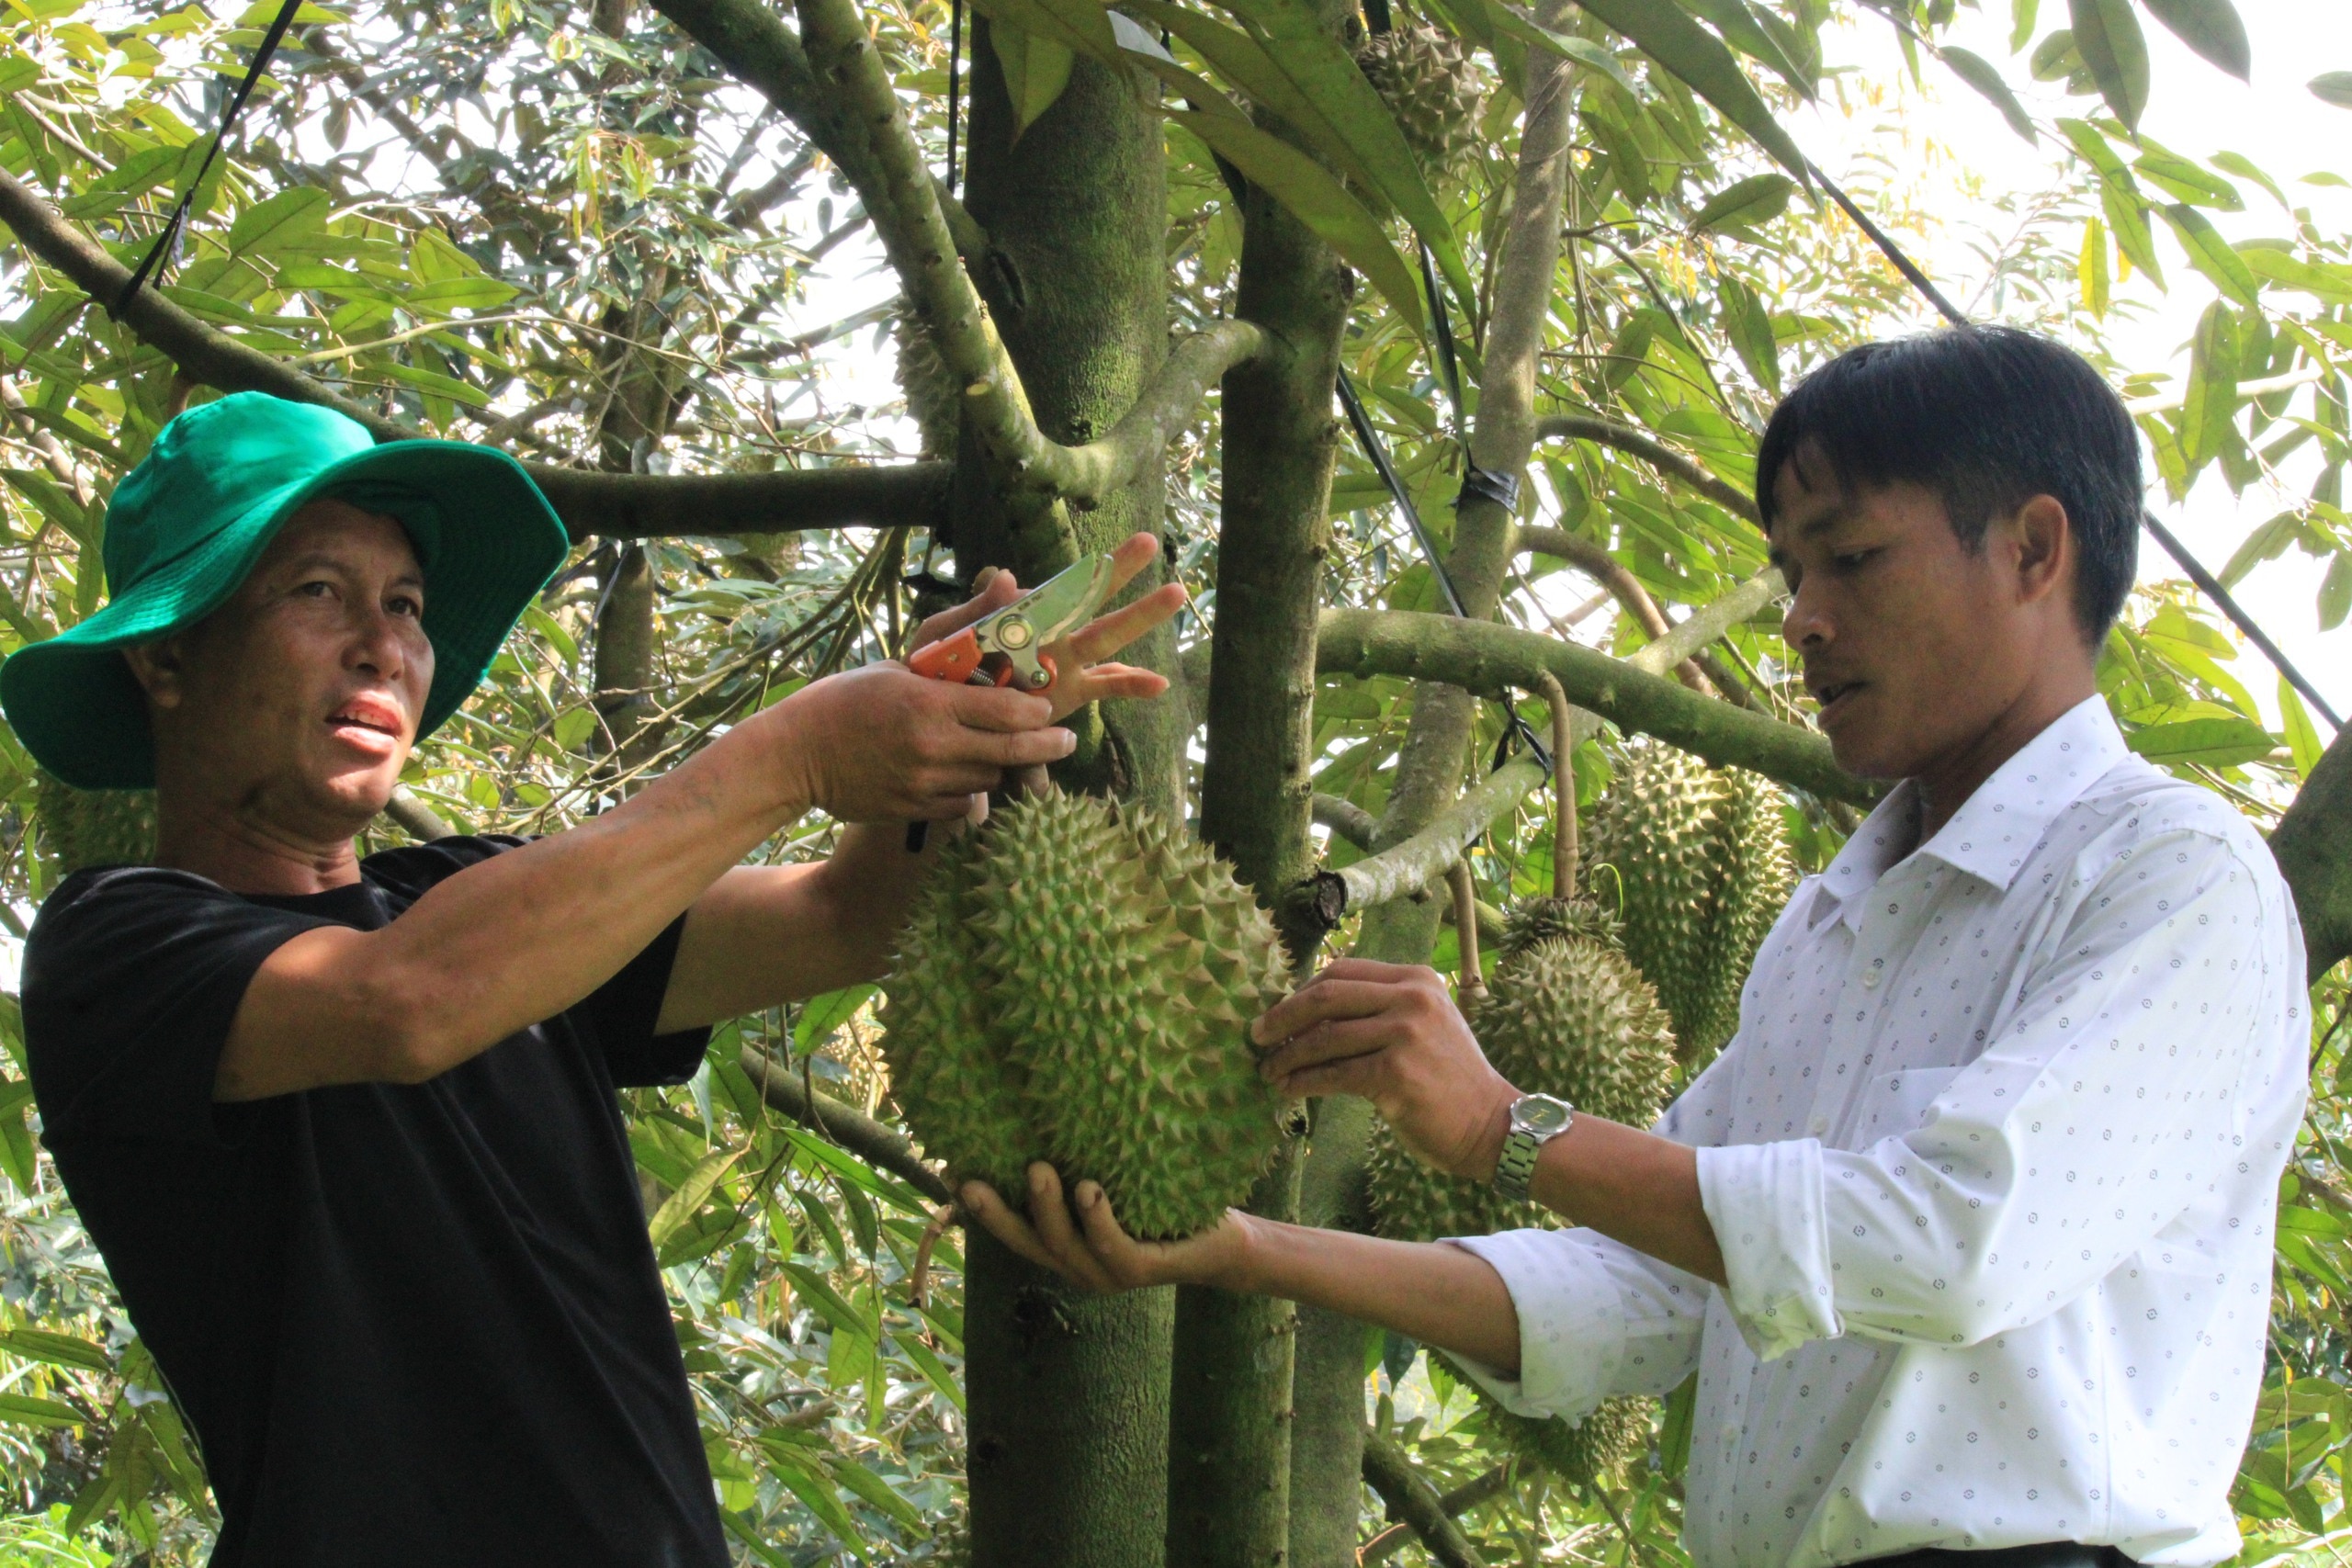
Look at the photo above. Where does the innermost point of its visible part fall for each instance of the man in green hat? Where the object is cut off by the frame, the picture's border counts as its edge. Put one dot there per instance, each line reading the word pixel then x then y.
pixel 345 1129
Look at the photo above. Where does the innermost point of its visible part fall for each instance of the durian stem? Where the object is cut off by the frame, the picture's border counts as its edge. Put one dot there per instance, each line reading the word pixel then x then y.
pixel 1710 621
pixel 1609 572
pixel 1413 1501
pixel 1470 988
pixel 1564 786
pixel 1483 1487
pixel 1492 660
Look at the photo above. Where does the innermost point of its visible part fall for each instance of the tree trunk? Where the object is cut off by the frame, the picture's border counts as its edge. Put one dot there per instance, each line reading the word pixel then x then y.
pixel 1327 1463
pixel 1231 1442
pixel 1069 1392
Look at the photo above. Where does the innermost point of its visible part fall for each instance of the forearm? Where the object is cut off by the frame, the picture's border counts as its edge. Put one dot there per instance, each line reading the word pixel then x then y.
pixel 1438 1295
pixel 1632 1186
pixel 523 936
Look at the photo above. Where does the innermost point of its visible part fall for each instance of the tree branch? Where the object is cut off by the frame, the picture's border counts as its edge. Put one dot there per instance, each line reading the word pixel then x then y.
pixel 2309 845
pixel 1492 660
pixel 859 1134
pixel 1625 438
pixel 1086 474
pixel 1623 586
pixel 646 507
pixel 1460 1500
pixel 1409 866
pixel 1413 1501
pixel 619 505
pixel 1710 621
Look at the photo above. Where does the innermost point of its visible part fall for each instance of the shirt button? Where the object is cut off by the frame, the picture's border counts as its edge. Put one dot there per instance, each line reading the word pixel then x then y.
pixel 1820 1126
pixel 1870 979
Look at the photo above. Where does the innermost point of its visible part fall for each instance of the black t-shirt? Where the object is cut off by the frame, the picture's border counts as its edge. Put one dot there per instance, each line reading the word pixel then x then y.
pixel 411 1325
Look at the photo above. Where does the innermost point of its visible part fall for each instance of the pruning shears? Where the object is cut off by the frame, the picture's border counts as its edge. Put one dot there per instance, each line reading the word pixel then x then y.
pixel 1006 648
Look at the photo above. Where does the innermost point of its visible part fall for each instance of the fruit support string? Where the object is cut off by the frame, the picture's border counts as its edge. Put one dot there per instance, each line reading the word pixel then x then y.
pixel 2206 582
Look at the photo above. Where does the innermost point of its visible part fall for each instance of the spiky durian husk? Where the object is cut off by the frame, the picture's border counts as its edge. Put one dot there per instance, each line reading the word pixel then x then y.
pixel 960 1094
pixel 1594 1451
pixel 1112 967
pixel 933 401
pixel 94 826
pixel 1568 1015
pixel 1700 857
pixel 1425 76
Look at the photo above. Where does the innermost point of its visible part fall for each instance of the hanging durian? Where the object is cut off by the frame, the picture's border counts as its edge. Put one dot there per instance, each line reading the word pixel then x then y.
pixel 1568 1015
pixel 94 826
pixel 1425 76
pixel 1700 862
pixel 1077 985
pixel 934 400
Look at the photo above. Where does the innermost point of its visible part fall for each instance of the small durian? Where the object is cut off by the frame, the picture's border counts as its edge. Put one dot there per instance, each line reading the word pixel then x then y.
pixel 94 826
pixel 1701 869
pixel 1089 974
pixel 934 400
pixel 1595 1451
pixel 1568 1015
pixel 1426 78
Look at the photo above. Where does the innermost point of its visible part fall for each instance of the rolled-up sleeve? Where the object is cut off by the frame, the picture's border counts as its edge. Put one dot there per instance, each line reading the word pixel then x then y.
pixel 1595 1318
pixel 2105 1104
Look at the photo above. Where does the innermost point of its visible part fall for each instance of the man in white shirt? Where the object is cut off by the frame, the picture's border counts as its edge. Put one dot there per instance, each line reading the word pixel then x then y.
pixel 1967 1233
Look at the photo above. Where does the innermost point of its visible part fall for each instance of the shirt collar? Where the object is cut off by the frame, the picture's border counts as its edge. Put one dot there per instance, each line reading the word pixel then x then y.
pixel 1994 829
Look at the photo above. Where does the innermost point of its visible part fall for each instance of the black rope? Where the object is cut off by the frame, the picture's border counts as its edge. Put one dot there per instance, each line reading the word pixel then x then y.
pixel 151 264
pixel 2206 582
pixel 1369 439
pixel 954 82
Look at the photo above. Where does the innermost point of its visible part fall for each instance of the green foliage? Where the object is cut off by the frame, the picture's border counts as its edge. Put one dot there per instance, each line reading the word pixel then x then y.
pixel 566 233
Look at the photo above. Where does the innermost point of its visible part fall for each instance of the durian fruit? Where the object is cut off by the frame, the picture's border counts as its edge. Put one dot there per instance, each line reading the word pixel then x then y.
pixel 1595 1451
pixel 933 401
pixel 1568 1015
pixel 944 1060
pixel 1701 866
pixel 94 826
pixel 1425 76
pixel 1077 985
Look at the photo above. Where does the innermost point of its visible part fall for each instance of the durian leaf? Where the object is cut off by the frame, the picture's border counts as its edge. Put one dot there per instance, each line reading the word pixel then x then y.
pixel 2333 87
pixel 849 1168
pixel 830 1305
pixel 1328 76
pixel 1980 74
pixel 2184 180
pixel 1036 69
pixel 56 1349
pixel 793 1467
pixel 2108 37
pixel 27 1410
pixel 1244 62
pixel 2215 742
pixel 2212 255
pixel 1745 204
pixel 934 1370
pixel 1663 31
pixel 1038 19
pixel 2213 27
pixel 1741 28
pixel 683 1205
pixel 1584 52
pixel 820 1016
pixel 1318 200
pixel 2332 285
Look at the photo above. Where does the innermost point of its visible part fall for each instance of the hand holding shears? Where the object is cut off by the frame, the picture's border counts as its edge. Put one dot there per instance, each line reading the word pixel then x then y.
pixel 1049 642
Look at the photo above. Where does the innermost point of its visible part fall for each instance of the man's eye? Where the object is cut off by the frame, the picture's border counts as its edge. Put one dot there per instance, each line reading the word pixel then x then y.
pixel 404 605
pixel 317 588
pixel 1851 560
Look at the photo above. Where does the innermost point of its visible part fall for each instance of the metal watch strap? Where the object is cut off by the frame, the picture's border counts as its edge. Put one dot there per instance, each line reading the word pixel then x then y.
pixel 1523 1144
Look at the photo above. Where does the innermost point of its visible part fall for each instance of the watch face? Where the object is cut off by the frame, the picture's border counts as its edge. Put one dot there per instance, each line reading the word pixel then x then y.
pixel 1540 1115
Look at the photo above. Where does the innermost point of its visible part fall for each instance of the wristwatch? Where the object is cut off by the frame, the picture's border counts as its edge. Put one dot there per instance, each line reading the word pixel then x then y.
pixel 1535 1121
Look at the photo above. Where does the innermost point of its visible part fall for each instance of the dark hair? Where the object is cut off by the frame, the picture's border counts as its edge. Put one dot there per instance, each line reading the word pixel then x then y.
pixel 1987 418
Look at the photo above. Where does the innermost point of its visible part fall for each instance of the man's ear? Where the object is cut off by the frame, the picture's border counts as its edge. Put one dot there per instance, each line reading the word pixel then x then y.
pixel 2044 541
pixel 160 668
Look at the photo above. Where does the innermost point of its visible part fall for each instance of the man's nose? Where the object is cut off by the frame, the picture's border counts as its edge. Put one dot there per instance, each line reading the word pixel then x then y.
pixel 1807 622
pixel 377 643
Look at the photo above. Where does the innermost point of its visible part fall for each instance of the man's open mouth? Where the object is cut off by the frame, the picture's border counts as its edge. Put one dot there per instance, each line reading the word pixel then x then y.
pixel 1829 693
pixel 374 716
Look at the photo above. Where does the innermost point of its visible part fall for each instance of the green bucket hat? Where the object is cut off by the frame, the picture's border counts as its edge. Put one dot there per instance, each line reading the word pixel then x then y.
pixel 186 524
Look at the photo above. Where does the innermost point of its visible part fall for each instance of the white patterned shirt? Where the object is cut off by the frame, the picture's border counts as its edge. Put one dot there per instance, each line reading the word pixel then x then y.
pixel 1993 1163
